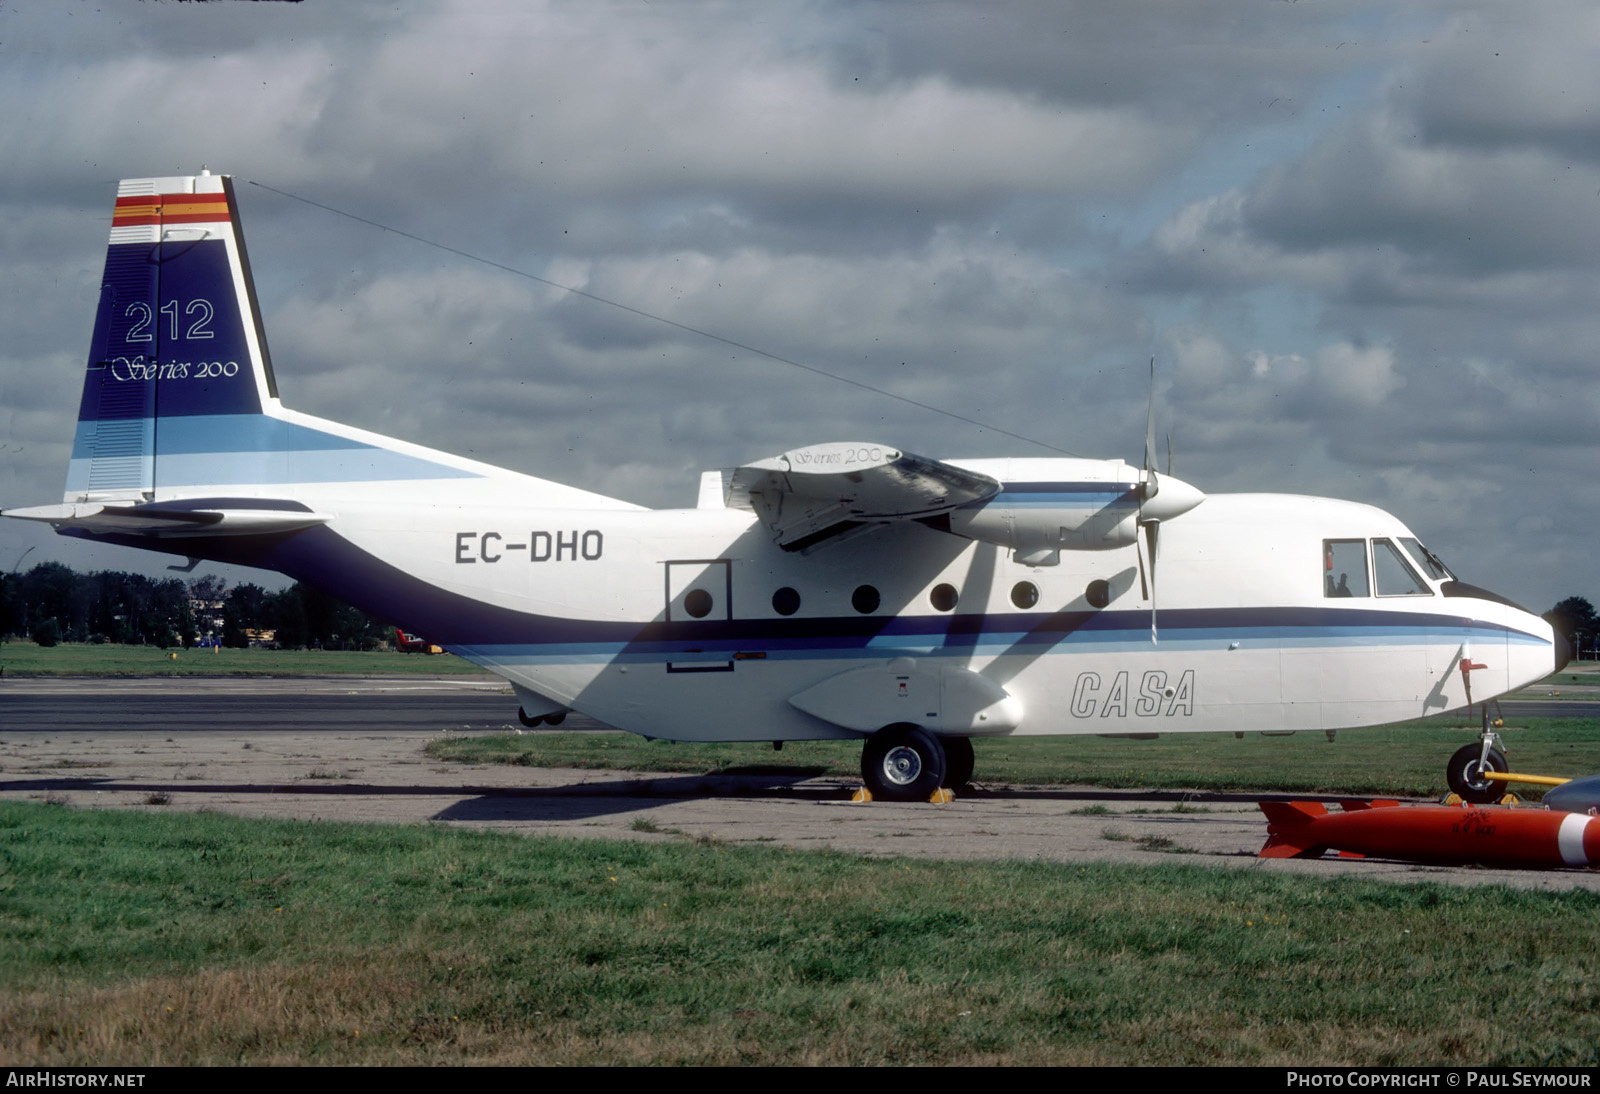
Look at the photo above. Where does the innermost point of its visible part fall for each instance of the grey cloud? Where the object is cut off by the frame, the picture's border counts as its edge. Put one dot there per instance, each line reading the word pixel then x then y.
pixel 1523 79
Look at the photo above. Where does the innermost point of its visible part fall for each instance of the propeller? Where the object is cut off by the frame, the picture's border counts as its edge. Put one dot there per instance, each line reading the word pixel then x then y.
pixel 1162 496
pixel 1149 521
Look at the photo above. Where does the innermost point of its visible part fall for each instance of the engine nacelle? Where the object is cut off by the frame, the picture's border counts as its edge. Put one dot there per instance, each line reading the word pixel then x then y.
pixel 1097 508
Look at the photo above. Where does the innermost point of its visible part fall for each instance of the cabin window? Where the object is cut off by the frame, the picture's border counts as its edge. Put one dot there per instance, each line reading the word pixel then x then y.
pixel 1344 568
pixel 1098 594
pixel 1392 574
pixel 697 603
pixel 943 597
pixel 1024 594
pixel 786 601
pixel 865 599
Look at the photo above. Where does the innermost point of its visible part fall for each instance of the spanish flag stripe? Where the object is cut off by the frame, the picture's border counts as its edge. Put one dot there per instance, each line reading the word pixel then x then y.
pixel 169 209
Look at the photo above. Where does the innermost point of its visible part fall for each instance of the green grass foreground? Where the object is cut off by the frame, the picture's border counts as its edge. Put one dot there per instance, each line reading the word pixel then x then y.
pixel 135 939
pixel 84 659
pixel 1406 759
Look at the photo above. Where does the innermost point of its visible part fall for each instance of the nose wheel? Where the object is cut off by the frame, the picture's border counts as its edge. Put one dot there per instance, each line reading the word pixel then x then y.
pixel 1465 773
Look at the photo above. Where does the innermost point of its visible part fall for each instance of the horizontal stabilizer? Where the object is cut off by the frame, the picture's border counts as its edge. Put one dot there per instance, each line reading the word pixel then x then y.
pixel 809 495
pixel 175 521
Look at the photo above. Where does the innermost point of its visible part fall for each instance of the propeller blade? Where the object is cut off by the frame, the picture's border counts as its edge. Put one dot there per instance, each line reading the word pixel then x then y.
pixel 1152 531
pixel 1152 483
pixel 1151 487
pixel 1150 423
pixel 1144 584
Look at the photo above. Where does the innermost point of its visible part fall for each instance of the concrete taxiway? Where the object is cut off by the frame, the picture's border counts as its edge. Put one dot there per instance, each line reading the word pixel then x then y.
pixel 353 750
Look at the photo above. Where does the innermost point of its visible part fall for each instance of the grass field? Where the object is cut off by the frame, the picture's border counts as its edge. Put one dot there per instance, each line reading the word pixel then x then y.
pixel 82 659
pixel 143 939
pixel 1406 759
pixel 154 938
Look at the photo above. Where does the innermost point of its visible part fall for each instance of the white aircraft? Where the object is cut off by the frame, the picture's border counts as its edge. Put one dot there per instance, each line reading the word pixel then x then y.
pixel 844 590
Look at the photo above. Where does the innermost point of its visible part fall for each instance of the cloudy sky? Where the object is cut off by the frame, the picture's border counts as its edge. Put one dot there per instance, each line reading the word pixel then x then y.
pixel 1360 239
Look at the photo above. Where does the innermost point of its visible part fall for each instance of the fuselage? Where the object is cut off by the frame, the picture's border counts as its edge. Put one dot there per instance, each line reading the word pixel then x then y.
pixel 693 624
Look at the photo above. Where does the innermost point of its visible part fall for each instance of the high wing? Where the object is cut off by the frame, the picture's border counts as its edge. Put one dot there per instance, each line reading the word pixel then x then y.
pixel 811 496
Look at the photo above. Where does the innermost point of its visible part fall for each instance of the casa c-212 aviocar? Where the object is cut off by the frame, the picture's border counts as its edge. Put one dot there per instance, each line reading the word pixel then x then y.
pixel 841 590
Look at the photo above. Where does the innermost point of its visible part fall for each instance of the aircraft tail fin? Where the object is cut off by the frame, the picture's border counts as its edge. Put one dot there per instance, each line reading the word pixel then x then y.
pixel 179 400
pixel 177 336
pixel 1289 829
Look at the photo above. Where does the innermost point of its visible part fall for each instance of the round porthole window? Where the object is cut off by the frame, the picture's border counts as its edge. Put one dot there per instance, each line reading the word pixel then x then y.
pixel 943 597
pixel 1024 594
pixel 1098 594
pixel 697 603
pixel 865 599
pixel 786 601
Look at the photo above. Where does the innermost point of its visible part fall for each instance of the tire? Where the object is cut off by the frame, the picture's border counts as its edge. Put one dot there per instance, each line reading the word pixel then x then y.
pixel 522 716
pixel 1464 774
pixel 958 761
pixel 902 763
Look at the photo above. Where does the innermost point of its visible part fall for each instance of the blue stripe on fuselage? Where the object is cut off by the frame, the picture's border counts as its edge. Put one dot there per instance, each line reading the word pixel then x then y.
pixel 1060 633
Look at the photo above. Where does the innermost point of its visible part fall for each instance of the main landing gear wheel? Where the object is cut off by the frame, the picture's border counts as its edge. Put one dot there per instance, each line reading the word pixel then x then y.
pixel 958 761
pixel 1465 774
pixel 902 763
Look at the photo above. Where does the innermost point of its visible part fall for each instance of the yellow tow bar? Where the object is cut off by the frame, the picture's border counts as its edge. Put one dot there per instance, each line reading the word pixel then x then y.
pixel 1507 776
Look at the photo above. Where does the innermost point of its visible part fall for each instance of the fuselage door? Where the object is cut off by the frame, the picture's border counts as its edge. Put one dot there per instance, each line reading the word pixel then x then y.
pixel 700 591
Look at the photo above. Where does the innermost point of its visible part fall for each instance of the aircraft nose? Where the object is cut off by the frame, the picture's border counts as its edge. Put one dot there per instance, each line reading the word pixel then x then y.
pixel 1563 651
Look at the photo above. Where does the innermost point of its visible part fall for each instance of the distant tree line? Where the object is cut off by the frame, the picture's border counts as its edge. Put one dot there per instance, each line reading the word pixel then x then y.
pixel 1575 617
pixel 53 603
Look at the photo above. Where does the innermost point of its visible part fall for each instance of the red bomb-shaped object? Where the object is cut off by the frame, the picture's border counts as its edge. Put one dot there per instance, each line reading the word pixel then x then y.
pixel 1497 836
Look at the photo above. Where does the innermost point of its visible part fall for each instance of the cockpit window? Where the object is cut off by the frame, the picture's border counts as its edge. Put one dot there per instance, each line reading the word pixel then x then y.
pixel 1394 575
pixel 1426 560
pixel 1344 568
